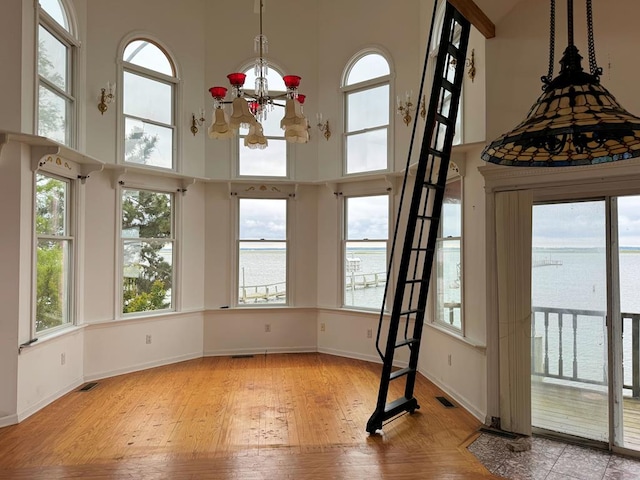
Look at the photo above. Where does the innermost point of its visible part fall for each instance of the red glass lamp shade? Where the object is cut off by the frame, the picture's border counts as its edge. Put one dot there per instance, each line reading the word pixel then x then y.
pixel 254 107
pixel 301 98
pixel 218 92
pixel 236 79
pixel 292 81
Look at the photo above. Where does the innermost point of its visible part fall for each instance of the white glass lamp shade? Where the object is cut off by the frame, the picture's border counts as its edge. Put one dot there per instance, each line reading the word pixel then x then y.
pixel 241 115
pixel 297 135
pixel 219 127
pixel 293 116
pixel 255 138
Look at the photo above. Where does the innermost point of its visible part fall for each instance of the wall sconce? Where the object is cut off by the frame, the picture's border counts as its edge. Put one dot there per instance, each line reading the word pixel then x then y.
pixel 197 122
pixel 405 108
pixel 106 97
pixel 323 126
pixel 423 108
pixel 469 62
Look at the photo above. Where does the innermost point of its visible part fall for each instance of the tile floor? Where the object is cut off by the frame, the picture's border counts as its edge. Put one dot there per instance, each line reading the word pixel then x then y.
pixel 552 460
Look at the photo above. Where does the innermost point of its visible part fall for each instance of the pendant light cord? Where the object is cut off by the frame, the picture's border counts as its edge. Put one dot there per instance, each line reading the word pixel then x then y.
pixel 593 65
pixel 552 44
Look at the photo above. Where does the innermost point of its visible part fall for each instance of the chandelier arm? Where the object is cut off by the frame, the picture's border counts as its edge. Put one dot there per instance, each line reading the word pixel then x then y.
pixel 593 65
pixel 552 44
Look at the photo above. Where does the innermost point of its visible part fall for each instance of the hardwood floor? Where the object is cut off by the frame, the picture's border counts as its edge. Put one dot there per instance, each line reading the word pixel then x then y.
pixel 296 416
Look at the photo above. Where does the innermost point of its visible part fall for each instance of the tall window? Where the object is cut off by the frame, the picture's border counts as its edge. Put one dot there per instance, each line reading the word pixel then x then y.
pixel 149 97
pixel 365 247
pixel 262 251
pixel 448 266
pixel 56 64
pixel 54 252
pixel 148 240
pixel 366 90
pixel 270 161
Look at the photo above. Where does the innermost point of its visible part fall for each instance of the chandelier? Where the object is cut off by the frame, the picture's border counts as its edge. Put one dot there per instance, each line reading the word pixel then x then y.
pixel 249 109
pixel 576 121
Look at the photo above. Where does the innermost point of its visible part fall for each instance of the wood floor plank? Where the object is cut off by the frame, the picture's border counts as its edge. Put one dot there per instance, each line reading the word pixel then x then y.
pixel 263 417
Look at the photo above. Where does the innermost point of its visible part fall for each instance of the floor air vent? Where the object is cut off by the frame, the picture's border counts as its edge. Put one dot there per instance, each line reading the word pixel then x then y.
pixel 88 386
pixel 242 356
pixel 445 401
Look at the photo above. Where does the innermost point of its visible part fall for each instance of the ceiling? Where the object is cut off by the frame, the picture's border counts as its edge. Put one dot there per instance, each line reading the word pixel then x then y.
pixel 496 9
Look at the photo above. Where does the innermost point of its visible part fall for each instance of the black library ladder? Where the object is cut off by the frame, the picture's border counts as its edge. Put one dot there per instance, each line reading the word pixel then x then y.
pixel 422 221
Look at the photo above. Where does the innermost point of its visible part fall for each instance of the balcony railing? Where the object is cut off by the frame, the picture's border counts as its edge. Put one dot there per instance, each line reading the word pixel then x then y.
pixel 560 351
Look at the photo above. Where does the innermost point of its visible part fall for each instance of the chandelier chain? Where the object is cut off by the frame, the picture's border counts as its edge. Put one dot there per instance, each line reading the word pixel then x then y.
pixel 593 65
pixel 552 43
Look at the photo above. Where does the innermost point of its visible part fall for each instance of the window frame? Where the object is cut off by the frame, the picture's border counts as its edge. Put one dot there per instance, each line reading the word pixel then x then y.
pixel 70 236
pixel 362 86
pixel 173 239
pixel 287 244
pixel 346 240
pixel 436 320
pixel 154 75
pixel 69 39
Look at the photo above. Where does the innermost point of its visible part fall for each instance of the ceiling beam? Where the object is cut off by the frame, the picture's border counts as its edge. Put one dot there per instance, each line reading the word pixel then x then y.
pixel 476 16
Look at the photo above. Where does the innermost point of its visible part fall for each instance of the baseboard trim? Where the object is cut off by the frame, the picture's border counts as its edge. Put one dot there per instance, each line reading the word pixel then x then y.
pixel 358 356
pixel 460 399
pixel 26 413
pixel 143 366
pixel 258 351
pixel 8 420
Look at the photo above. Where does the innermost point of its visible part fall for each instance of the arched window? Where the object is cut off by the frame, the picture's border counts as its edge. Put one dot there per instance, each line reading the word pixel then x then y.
pixel 367 105
pixel 149 83
pixel 56 69
pixel 271 161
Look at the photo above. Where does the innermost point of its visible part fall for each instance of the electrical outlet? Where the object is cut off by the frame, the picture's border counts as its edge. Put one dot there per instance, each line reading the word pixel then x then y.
pixel 148 339
pixel 322 327
pixel 449 360
pixel 267 327
pixel 369 333
pixel 63 358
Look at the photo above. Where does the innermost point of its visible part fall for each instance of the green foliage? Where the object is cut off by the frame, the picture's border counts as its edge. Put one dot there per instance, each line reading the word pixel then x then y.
pixel 50 121
pixel 51 295
pixel 146 220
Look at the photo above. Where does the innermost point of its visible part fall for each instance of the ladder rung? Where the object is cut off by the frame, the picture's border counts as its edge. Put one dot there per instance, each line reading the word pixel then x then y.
pixel 400 405
pixel 444 120
pixel 415 280
pixel 422 249
pixel 409 312
pixel 433 186
pixel 401 372
pixel 427 217
pixel 407 341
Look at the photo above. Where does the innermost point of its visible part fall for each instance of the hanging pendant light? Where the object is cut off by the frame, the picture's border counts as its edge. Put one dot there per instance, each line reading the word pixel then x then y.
pixel 576 121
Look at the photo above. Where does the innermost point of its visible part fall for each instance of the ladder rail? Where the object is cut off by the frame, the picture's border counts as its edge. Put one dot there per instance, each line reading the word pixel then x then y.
pixel 425 207
pixel 404 185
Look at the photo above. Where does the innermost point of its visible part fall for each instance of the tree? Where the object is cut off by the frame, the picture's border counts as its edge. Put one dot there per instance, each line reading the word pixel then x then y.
pixel 51 122
pixel 146 216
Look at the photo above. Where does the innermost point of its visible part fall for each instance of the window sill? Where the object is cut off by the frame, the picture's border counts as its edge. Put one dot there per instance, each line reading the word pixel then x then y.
pixel 48 337
pixel 458 336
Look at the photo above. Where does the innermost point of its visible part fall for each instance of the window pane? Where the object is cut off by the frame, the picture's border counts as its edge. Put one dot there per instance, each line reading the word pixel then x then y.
pixel 147 282
pixel 451 223
pixel 449 300
pixel 367 151
pixel 52 115
pixel 148 144
pixel 365 274
pixel 146 214
pixel 262 272
pixel 263 219
pixel 148 55
pixel 148 99
pixel 370 66
pixel 56 11
pixel 274 82
pixel 270 162
pixel 52 291
pixel 51 206
pixel 367 218
pixel 368 108
pixel 52 59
